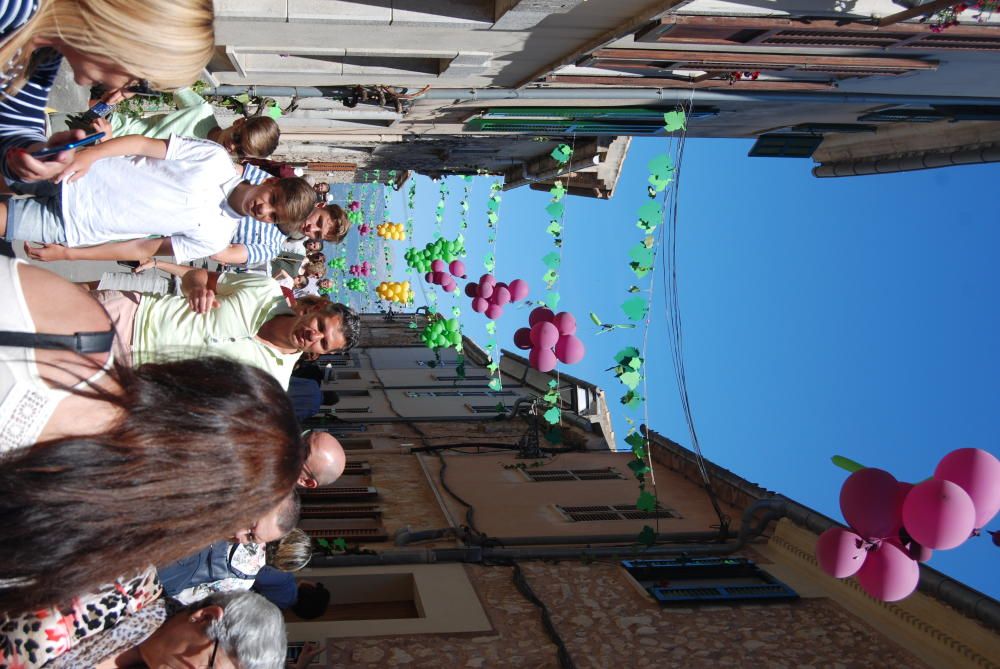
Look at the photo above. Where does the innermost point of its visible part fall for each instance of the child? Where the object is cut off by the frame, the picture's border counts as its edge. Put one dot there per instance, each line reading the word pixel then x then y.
pixel 246 137
pixel 133 187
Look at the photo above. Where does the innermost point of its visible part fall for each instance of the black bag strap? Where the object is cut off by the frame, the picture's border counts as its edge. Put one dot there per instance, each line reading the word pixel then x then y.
pixel 79 342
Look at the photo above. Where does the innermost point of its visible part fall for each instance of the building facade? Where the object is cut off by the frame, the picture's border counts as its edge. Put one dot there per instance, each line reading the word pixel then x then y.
pixel 861 86
pixel 478 537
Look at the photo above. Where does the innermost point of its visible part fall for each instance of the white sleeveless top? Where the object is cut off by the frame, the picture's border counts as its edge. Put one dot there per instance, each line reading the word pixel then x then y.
pixel 26 401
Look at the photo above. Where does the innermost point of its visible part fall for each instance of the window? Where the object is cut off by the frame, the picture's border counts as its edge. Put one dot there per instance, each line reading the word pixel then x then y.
pixel 345 376
pixel 780 145
pixel 356 444
pixel 712 580
pixel 359 468
pixel 545 475
pixel 816 33
pixel 583 514
pixel 338 360
pixel 460 393
pixel 333 494
pixel 352 393
pixel 488 408
pixel 362 530
pixel 437 363
pixel 341 511
pixel 368 597
pixel 340 428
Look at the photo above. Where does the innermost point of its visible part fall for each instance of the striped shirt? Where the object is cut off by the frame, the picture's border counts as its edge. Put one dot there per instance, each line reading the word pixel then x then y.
pixel 263 240
pixel 22 116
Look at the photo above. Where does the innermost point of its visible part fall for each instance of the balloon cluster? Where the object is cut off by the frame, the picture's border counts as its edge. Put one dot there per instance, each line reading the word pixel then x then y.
pixel 354 206
pixel 363 229
pixel 356 284
pixel 337 263
pixel 442 333
pixel 895 525
pixel 550 337
pixel 443 274
pixel 439 249
pixel 489 295
pixel 393 231
pixel 364 269
pixel 395 291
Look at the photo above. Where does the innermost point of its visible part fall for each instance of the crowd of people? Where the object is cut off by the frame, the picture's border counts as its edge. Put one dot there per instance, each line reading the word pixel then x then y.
pixel 149 450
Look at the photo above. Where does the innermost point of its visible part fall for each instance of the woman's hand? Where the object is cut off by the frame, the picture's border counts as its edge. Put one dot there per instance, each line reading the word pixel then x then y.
pixel 144 264
pixel 47 252
pixel 202 300
pixel 77 167
pixel 26 167
pixel 102 125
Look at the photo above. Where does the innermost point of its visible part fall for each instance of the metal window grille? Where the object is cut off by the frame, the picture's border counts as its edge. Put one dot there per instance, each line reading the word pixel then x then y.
pixel 487 408
pixel 329 494
pixel 341 511
pixel 543 475
pixel 580 514
pixel 781 145
pixel 451 377
pixel 438 363
pixel 710 580
pixel 357 468
pixel 340 428
pixel 352 410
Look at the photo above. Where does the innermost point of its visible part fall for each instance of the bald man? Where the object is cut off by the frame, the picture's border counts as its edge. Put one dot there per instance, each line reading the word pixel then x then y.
pixel 325 462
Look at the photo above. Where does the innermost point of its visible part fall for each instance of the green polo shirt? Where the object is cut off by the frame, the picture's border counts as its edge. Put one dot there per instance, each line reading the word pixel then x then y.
pixel 165 327
pixel 193 118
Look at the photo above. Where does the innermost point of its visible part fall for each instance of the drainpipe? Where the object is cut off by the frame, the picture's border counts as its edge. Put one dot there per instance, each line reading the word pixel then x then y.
pixel 670 96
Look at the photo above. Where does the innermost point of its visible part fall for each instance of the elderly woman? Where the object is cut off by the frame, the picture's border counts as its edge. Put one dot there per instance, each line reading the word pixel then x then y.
pixel 106 469
pixel 126 624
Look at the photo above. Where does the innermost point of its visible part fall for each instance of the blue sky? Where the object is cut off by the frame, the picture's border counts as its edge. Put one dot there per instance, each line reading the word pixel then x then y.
pixel 821 316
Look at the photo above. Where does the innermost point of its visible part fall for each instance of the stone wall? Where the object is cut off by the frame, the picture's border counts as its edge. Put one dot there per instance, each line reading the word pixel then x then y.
pixel 606 623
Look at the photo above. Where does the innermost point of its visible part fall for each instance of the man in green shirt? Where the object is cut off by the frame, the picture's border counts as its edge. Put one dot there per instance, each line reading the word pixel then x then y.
pixel 243 317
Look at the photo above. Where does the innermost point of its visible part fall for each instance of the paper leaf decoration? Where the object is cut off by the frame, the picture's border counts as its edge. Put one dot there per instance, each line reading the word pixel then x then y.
pixel 561 153
pixel 635 308
pixel 552 260
pixel 552 415
pixel 650 215
pixel 674 120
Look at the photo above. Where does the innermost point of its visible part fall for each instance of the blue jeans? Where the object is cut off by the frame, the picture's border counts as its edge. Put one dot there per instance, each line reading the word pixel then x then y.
pixel 39 218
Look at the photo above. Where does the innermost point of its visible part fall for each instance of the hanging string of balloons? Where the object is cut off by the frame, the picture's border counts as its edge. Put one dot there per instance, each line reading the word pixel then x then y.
pixel 896 525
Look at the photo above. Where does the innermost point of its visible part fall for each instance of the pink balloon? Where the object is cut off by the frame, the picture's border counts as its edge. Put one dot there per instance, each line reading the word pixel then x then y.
pixel 439 277
pixel 488 278
pixel 450 286
pixel 472 289
pixel 939 514
pixel 978 473
pixel 888 574
pixel 494 311
pixel 870 502
pixel 439 266
pixel 918 552
pixel 840 552
pixel 539 315
pixel 542 359
pixel 565 322
pixel 569 349
pixel 518 290
pixel 479 305
pixel 544 335
pixel 522 338
pixel 429 277
pixel 457 268
pixel 485 289
pixel 501 295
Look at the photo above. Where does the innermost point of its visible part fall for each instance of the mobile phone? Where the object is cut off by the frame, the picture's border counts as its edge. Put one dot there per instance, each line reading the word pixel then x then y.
pixel 100 110
pixel 76 144
pixel 131 264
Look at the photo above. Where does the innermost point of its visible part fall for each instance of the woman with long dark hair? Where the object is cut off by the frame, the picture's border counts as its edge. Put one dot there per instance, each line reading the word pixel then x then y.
pixel 105 469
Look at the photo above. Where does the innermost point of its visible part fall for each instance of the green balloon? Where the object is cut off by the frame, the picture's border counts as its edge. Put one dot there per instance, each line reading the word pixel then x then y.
pixel 456 338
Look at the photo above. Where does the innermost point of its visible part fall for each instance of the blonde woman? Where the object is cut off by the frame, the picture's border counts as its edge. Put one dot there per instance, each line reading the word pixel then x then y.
pixel 112 42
